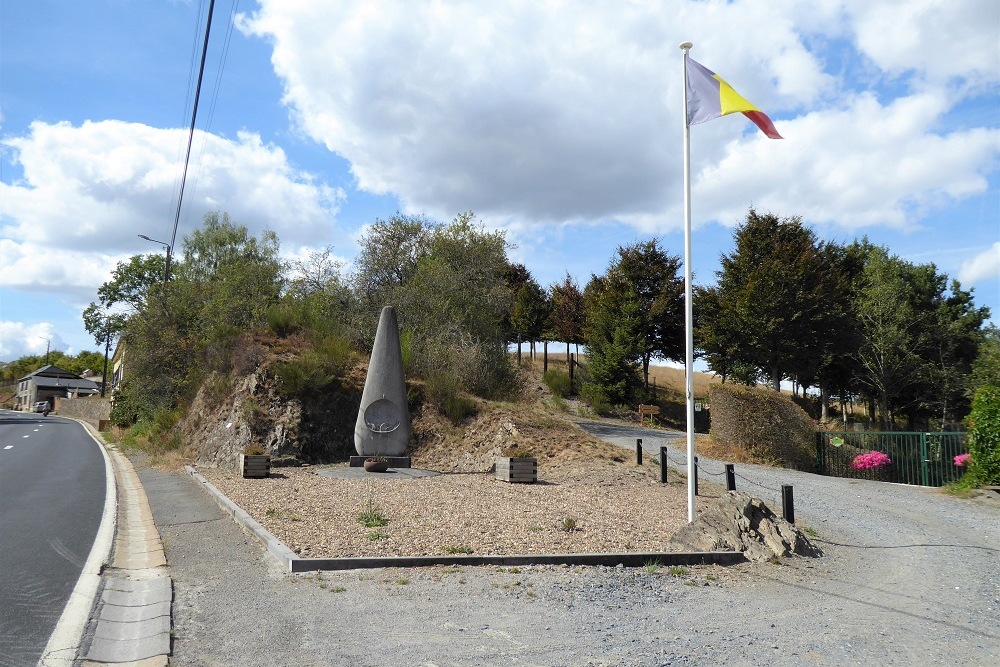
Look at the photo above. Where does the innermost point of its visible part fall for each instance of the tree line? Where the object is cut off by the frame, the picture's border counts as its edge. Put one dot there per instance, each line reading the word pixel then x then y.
pixel 852 321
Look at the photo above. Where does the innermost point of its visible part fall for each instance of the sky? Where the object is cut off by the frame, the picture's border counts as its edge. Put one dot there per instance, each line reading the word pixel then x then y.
pixel 557 121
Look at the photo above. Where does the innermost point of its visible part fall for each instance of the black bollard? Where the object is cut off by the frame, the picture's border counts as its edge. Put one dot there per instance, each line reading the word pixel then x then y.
pixel 730 477
pixel 696 475
pixel 638 451
pixel 787 503
pixel 663 465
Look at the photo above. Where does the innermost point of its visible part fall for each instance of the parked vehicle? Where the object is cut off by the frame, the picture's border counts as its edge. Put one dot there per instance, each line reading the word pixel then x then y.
pixel 41 406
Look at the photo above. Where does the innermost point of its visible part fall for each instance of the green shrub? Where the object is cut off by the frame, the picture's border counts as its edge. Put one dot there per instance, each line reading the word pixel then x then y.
pixel 595 396
pixel 457 408
pixel 316 369
pixel 983 440
pixel 765 423
pixel 558 381
pixel 283 321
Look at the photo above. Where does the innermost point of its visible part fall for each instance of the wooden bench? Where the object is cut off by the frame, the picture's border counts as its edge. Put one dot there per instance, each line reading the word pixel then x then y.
pixel 651 411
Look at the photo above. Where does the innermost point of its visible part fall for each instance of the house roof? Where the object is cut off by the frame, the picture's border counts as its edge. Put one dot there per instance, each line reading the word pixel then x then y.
pixel 65 383
pixel 50 371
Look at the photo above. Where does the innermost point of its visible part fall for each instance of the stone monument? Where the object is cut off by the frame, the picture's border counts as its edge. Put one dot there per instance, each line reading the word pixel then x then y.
pixel 383 425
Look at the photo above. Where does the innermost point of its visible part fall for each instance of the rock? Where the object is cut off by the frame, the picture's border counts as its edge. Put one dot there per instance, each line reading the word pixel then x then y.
pixel 740 522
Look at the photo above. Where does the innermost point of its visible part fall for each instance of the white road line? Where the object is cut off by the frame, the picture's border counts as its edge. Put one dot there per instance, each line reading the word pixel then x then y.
pixel 9 447
pixel 25 436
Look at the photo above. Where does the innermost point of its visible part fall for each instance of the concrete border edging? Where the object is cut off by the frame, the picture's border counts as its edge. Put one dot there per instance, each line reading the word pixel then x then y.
pixel 275 547
pixel 289 559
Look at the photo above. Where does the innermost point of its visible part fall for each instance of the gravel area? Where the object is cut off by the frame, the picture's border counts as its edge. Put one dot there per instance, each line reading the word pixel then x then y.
pixel 911 576
pixel 575 509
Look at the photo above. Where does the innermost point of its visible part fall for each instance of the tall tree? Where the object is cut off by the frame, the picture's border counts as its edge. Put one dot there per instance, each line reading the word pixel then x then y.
pixel 771 294
pixel 614 341
pixel 567 317
pixel 530 312
pixel 647 273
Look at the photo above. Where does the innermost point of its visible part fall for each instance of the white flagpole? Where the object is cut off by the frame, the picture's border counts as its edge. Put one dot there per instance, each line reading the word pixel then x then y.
pixel 688 297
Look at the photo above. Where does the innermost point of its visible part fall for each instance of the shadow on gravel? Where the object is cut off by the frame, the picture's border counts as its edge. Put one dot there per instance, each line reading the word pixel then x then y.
pixel 935 620
pixel 906 546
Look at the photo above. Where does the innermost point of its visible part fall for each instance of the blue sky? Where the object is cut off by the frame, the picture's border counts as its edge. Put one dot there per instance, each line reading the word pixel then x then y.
pixel 559 122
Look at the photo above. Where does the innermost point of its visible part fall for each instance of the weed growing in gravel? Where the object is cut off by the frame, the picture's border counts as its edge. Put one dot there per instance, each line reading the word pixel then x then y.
pixel 568 524
pixel 678 571
pixel 536 529
pixel 458 549
pixel 376 535
pixel 337 589
pixel 371 516
pixel 810 531
pixel 711 577
pixel 652 566
pixel 402 581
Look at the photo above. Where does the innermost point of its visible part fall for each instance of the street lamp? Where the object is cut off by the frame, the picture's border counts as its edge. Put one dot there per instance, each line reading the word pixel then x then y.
pixel 166 270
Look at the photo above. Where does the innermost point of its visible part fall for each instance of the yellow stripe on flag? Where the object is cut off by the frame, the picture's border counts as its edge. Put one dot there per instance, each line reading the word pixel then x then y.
pixel 730 100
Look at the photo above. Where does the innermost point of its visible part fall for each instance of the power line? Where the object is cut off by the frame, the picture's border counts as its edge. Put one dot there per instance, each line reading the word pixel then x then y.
pixel 194 117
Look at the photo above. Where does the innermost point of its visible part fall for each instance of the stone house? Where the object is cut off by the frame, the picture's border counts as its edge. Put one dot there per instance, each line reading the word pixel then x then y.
pixel 49 383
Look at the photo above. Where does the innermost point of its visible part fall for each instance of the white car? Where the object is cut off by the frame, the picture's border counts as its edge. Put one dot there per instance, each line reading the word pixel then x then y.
pixel 41 406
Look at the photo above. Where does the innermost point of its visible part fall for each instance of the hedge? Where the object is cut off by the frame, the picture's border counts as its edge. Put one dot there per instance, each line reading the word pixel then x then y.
pixel 764 423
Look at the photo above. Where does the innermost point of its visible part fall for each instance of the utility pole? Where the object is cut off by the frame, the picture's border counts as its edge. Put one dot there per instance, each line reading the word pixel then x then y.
pixel 48 344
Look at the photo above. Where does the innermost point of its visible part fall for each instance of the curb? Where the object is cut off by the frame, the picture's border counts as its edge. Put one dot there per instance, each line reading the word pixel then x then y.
pixel 293 563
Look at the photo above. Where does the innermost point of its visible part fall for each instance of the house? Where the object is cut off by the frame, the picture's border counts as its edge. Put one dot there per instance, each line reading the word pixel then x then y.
pixel 49 383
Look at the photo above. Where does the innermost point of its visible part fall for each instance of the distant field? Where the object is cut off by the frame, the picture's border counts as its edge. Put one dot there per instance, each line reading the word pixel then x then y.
pixel 669 381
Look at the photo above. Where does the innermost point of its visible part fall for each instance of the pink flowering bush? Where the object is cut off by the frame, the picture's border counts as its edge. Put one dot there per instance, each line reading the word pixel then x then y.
pixel 870 460
pixel 962 460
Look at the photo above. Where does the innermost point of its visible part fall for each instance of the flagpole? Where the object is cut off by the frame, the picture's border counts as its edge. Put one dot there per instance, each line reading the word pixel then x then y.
pixel 688 298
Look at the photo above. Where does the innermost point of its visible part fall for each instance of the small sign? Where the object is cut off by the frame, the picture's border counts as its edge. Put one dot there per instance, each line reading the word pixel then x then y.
pixel 836 442
pixel 697 407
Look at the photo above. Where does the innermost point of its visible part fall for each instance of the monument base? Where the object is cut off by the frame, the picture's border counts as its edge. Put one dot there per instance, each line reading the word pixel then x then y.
pixel 394 461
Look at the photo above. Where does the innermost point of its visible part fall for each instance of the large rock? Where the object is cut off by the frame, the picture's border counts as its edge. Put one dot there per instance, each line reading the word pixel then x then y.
pixel 740 522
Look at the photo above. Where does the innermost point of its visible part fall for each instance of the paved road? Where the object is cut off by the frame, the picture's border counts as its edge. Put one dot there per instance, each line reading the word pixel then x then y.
pixel 51 498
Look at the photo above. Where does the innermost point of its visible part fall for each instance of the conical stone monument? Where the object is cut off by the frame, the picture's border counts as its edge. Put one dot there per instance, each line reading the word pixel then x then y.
pixel 383 426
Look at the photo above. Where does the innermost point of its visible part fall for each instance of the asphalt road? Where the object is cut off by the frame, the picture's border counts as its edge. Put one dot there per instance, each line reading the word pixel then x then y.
pixel 51 498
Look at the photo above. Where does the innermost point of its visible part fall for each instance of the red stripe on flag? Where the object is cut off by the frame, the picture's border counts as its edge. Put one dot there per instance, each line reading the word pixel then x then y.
pixel 760 119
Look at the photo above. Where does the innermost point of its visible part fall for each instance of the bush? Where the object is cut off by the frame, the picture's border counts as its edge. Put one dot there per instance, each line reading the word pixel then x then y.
pixel 316 369
pixel 595 396
pixel 558 381
pixel 983 440
pixel 764 423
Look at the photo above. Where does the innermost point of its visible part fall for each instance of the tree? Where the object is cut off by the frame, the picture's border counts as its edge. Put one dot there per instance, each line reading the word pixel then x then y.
pixel 771 298
pixel 614 343
pixel 566 319
pixel 986 367
pixel 390 252
pixel 646 273
pixel 530 312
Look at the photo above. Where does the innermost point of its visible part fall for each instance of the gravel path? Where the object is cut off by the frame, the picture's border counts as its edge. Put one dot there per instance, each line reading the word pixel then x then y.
pixel 911 577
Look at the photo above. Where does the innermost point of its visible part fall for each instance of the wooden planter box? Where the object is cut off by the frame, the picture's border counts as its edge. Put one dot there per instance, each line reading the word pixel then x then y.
pixel 255 465
pixel 523 471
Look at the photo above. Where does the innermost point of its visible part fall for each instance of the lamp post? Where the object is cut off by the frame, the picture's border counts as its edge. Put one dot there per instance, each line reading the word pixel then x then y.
pixel 166 270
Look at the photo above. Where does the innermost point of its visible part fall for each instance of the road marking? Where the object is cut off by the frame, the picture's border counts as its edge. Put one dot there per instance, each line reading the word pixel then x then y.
pixel 9 447
pixel 36 430
pixel 25 436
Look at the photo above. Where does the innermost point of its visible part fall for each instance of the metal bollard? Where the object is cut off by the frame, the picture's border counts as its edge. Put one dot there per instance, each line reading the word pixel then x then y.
pixel 638 451
pixel 730 477
pixel 696 475
pixel 787 503
pixel 663 465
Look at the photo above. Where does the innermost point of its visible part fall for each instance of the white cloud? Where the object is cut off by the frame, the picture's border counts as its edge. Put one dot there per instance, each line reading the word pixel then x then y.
pixel 863 165
pixel 547 112
pixel 93 188
pixel 18 339
pixel 936 39
pixel 984 266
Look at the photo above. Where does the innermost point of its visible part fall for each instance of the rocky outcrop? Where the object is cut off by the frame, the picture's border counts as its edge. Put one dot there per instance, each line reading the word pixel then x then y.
pixel 739 522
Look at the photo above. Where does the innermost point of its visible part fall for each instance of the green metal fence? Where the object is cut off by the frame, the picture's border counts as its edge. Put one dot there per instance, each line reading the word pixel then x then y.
pixel 924 459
